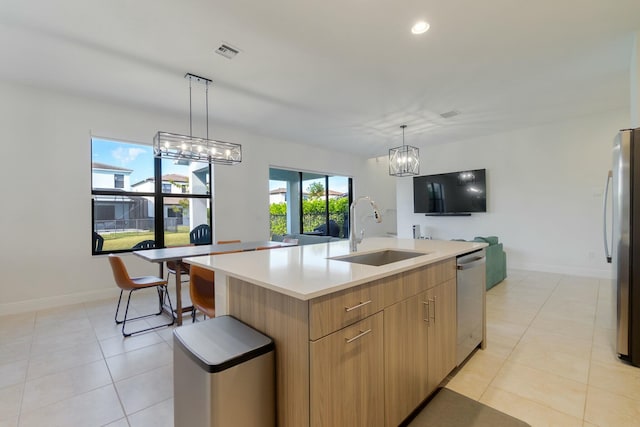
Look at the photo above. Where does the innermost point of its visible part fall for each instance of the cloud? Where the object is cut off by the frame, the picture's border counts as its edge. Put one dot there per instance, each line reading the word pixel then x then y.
pixel 127 155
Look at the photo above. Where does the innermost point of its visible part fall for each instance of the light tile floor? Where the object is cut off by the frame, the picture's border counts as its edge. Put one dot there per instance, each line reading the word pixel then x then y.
pixel 550 358
pixel 550 361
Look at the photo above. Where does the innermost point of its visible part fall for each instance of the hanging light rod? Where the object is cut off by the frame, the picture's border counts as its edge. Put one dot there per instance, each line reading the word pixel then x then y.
pixel 190 148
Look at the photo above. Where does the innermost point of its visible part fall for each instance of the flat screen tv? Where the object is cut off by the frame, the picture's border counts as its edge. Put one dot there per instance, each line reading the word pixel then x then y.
pixel 454 193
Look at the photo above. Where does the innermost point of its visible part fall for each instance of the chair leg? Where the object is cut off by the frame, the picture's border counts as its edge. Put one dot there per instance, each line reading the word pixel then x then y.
pixel 160 289
pixel 118 308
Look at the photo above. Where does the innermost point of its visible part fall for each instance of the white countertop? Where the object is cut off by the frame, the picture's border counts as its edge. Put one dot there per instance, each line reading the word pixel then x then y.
pixel 306 272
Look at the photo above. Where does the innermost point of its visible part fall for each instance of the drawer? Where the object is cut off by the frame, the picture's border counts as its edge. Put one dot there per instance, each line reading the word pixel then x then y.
pixel 332 312
pixel 413 282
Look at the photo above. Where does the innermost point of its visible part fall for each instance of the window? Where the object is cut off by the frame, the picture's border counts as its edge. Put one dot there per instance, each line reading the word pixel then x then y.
pixel 118 180
pixel 128 206
pixel 310 203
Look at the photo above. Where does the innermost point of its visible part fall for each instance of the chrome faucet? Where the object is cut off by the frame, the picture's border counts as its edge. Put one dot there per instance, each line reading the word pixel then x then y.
pixel 353 240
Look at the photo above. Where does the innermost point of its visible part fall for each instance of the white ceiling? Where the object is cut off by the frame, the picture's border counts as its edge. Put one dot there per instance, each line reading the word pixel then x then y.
pixel 343 74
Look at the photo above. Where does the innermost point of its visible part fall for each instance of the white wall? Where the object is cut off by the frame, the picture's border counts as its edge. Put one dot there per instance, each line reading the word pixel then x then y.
pixel 45 249
pixel 544 193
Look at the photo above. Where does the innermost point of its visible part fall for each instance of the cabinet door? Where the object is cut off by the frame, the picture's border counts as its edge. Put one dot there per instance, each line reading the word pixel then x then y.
pixel 405 357
pixel 347 376
pixel 442 332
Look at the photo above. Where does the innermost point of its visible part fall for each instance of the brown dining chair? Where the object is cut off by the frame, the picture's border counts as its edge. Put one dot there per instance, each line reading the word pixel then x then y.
pixel 202 289
pixel 264 248
pixel 225 242
pixel 131 284
pixel 172 267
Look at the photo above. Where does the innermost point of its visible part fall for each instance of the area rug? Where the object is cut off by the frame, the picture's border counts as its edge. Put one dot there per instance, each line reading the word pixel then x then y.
pixel 450 409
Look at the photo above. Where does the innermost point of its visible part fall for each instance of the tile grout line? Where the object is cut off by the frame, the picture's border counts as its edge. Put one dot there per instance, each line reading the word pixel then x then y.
pixel 113 383
pixel 520 339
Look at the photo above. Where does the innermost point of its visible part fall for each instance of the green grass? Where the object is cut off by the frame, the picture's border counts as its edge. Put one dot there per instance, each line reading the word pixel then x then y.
pixel 118 241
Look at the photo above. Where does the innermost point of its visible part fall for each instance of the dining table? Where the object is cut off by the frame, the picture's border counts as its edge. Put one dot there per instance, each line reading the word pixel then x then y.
pixel 178 253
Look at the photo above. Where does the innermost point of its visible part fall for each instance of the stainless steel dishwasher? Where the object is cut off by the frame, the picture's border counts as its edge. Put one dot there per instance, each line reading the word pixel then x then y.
pixel 470 302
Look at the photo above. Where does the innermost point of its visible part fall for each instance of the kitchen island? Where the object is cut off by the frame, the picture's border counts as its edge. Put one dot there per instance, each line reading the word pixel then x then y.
pixel 355 344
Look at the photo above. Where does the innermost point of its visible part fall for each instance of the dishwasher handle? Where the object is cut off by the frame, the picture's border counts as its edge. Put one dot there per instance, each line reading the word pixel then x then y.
pixel 471 264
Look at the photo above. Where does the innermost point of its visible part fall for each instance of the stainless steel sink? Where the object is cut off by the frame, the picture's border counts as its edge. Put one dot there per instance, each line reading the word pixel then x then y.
pixel 379 258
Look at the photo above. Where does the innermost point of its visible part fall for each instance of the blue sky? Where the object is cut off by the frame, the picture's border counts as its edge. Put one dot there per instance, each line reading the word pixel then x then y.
pixel 136 157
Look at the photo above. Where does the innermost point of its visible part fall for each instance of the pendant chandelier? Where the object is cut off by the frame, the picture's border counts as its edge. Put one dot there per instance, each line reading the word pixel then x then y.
pixel 404 160
pixel 182 147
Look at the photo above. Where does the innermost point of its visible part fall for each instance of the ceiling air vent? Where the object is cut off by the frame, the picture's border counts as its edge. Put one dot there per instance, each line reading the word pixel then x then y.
pixel 449 114
pixel 227 51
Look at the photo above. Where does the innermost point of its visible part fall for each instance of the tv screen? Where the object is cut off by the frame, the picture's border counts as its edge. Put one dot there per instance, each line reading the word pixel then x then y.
pixel 450 193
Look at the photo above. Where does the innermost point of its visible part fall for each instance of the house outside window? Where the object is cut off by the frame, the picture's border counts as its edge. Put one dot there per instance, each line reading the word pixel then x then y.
pixel 127 205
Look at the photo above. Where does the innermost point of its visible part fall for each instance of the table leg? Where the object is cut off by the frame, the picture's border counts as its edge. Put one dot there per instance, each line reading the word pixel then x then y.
pixel 179 293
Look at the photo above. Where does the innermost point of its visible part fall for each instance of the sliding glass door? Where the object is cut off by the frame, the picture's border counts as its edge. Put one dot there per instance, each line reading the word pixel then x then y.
pixel 309 203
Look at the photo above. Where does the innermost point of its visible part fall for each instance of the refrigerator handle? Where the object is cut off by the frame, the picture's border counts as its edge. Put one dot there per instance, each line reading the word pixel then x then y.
pixel 604 210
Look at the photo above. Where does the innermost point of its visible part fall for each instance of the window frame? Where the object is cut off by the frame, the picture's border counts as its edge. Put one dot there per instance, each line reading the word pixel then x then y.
pixel 300 190
pixel 157 195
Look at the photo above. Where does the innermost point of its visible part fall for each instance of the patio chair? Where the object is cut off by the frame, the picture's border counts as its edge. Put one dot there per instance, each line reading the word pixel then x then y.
pixel 131 284
pixel 201 235
pixel 145 244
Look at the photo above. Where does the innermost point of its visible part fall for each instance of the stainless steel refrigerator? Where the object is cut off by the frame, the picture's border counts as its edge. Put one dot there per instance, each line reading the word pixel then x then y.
pixel 623 231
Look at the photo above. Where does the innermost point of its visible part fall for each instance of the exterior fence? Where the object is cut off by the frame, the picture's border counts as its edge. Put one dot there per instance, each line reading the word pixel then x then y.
pixel 137 225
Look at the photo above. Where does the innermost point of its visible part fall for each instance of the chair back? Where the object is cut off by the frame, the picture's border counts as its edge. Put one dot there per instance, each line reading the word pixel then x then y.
pixel 225 242
pixel 202 290
pixel 201 235
pixel 98 241
pixel 145 244
pixel 120 273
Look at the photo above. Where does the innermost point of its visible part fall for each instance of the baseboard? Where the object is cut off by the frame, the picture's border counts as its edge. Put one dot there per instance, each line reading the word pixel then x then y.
pixel 563 269
pixel 57 301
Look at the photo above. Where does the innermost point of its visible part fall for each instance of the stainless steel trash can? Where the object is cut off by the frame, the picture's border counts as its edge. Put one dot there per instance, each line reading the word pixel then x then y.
pixel 223 375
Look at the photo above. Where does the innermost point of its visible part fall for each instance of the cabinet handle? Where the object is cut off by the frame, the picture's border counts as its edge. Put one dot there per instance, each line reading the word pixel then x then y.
pixel 426 304
pixel 360 335
pixel 347 309
pixel 434 309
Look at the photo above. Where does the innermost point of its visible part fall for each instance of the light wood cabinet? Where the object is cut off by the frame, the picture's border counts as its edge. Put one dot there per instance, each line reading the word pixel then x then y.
pixel 332 312
pixel 442 332
pixel 347 379
pixel 420 348
pixel 365 356
pixel 405 357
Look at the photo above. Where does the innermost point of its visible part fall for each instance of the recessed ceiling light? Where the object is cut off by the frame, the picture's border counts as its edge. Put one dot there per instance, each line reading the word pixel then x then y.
pixel 420 27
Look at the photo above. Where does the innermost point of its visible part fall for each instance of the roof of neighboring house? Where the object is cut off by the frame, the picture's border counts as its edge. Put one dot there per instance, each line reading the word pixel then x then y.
pixel 97 165
pixel 280 190
pixel 175 177
pixel 172 177
pixel 172 200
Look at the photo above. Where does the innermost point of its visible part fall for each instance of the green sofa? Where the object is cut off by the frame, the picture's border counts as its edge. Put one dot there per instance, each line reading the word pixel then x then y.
pixel 496 263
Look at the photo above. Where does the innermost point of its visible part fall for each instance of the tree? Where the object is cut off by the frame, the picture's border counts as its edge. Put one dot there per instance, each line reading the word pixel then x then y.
pixel 315 190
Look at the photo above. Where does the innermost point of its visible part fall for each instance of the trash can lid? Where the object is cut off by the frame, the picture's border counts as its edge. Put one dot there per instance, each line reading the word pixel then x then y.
pixel 222 342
